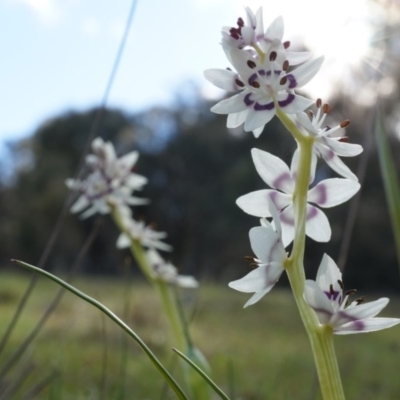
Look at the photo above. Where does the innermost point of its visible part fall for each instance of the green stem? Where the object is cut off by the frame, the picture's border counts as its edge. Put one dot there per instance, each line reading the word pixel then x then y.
pixel 174 385
pixel 321 337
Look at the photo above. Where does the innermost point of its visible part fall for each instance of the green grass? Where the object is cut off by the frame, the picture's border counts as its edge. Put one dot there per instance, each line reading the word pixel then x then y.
pixel 265 345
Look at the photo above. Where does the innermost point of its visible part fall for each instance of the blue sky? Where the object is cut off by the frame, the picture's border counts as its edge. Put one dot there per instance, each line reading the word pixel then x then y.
pixel 57 54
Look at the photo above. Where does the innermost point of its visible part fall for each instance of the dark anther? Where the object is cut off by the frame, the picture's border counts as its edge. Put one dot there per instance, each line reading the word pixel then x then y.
pixel 253 265
pixel 318 103
pixel 345 123
pixel 239 82
pixel 286 44
pixel 255 84
pixel 285 65
pixel 240 22
pixel 229 69
pixel 327 128
pixel 326 108
pixel 310 114
pixel 234 33
pixel 251 64
pixel 272 56
pixel 360 300
pixel 351 291
pixel 249 258
pixel 331 289
pixel 283 80
pixel 340 284
pixel 344 139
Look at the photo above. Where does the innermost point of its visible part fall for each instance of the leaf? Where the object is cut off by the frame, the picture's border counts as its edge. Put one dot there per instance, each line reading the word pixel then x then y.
pixel 166 375
pixel 213 385
pixel 390 178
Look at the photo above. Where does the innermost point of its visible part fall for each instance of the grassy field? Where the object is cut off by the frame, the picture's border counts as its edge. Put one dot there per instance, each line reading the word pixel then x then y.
pixel 258 353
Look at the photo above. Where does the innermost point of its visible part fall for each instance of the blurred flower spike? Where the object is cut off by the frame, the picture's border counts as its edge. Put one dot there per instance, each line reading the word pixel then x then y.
pixel 325 296
pixel 166 272
pixel 266 243
pixel 328 142
pixel 137 230
pixel 262 81
pixel 110 182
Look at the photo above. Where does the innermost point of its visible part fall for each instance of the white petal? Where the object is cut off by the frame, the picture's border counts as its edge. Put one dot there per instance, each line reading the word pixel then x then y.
pixel 297 57
pixel 335 162
pixel 342 149
pixel 275 217
pixel 239 60
pixel 318 301
pixel 254 281
pixel 272 170
pixel 80 204
pixel 257 119
pixel 257 132
pixel 332 192
pixel 359 312
pixel 236 119
pixel 368 325
pixel 186 281
pixel 267 245
pixel 317 225
pixel 329 274
pixel 128 160
pixel 234 104
pixel 275 30
pixel 307 71
pixel 286 218
pixel 222 78
pixel 305 122
pixel 123 241
pixel 256 203
pixel 293 103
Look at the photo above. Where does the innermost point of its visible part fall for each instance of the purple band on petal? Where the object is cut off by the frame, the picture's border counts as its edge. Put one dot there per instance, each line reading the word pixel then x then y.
pixel 359 325
pixel 285 219
pixel 330 154
pixel 247 100
pixel 261 72
pixel 252 79
pixel 277 183
pixel 262 107
pixel 276 72
pixel 312 213
pixel 288 100
pixel 322 194
pixel 332 296
pixel 292 81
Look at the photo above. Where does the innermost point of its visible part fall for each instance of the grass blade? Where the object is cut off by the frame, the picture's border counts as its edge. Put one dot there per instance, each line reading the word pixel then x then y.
pixel 204 375
pixel 166 375
pixel 390 179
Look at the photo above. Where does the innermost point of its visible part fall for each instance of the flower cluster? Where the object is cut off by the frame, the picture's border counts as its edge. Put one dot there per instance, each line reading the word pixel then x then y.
pixel 262 79
pixel 110 182
pixel 264 83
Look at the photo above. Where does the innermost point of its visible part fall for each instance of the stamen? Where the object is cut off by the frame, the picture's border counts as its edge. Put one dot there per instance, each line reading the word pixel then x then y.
pixel 253 265
pixel 340 284
pixel 239 82
pixel 310 114
pixel 285 65
pixel 286 44
pixel 251 64
pixel 229 69
pixel 240 22
pixel 344 139
pixel 318 103
pixel 272 56
pixel 331 289
pixel 326 108
pixel 249 258
pixel 360 300
pixel 283 80
pixel 255 84
pixel 327 128
pixel 351 291
pixel 345 123
pixel 234 33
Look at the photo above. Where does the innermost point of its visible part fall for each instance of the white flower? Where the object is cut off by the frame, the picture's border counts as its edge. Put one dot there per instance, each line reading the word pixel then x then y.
pixel 262 85
pixel 110 182
pixel 276 174
pixel 266 243
pixel 325 296
pixel 327 144
pixel 137 230
pixel 166 272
